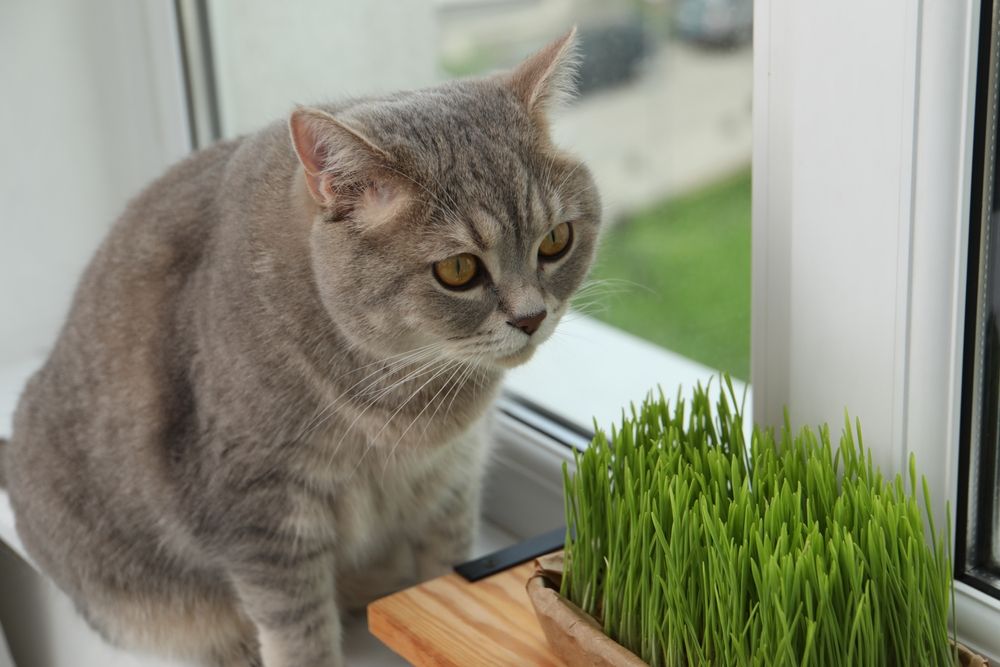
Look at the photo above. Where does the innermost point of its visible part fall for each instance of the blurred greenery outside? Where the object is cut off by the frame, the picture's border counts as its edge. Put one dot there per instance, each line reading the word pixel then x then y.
pixel 686 261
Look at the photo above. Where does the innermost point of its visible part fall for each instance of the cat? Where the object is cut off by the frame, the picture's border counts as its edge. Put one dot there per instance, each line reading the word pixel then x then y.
pixel 268 401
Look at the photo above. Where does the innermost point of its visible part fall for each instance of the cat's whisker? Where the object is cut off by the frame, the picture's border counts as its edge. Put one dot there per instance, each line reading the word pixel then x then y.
pixel 445 384
pixel 398 360
pixel 598 305
pixel 598 291
pixel 587 309
pixel 425 366
pixel 381 394
pixel 447 366
pixel 457 388
pixel 430 419
pixel 572 336
pixel 592 313
pixel 475 344
pixel 389 372
pixel 447 410
pixel 394 358
pixel 596 297
pixel 618 282
pixel 587 187
pixel 566 178
pixel 376 377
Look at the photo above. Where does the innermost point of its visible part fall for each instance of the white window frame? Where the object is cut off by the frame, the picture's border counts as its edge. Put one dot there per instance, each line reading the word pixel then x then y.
pixel 861 231
pixel 863 121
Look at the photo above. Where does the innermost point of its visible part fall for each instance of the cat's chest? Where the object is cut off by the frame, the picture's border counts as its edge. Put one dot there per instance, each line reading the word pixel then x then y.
pixel 385 497
pixel 361 425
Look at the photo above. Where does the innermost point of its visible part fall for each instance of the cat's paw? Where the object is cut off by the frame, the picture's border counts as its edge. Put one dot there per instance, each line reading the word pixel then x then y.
pixel 377 579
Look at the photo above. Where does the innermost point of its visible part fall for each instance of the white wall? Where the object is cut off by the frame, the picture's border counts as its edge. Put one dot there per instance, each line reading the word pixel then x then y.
pixel 89 114
pixel 92 110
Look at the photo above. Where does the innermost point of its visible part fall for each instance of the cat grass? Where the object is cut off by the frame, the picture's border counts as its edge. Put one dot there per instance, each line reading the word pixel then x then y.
pixel 691 547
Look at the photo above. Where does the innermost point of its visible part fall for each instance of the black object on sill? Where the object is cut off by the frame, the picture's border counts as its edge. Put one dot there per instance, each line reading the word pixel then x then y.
pixel 508 557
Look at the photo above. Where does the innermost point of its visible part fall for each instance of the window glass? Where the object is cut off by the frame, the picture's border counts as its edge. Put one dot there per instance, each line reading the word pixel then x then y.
pixel 663 120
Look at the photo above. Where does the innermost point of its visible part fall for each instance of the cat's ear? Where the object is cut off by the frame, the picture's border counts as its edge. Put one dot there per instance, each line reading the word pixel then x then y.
pixel 335 157
pixel 548 78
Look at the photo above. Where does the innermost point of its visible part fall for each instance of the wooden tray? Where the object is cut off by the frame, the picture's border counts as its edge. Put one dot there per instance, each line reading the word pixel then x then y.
pixel 449 622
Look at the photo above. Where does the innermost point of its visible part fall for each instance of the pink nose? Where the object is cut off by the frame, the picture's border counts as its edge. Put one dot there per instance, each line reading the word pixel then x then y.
pixel 529 324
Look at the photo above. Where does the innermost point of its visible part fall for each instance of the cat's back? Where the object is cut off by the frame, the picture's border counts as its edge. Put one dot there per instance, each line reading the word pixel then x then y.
pixel 129 291
pixel 115 376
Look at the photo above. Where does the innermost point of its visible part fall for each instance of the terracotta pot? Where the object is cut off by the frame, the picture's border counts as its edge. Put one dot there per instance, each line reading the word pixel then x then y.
pixel 580 641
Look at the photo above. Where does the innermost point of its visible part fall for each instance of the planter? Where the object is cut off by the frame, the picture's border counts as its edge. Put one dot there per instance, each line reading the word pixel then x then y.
pixel 578 639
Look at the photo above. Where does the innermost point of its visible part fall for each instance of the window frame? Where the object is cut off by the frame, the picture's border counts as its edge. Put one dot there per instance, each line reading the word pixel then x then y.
pixel 870 317
pixel 979 390
pixel 931 150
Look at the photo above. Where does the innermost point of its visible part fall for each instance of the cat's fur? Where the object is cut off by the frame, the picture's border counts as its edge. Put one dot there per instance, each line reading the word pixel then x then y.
pixel 263 403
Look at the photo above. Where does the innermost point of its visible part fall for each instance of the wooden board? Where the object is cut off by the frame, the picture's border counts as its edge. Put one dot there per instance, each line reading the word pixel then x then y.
pixel 448 622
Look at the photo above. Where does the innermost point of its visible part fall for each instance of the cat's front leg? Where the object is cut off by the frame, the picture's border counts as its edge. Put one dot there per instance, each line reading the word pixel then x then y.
pixel 447 535
pixel 291 598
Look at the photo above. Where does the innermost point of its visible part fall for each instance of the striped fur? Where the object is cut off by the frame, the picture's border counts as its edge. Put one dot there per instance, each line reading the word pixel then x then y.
pixel 264 408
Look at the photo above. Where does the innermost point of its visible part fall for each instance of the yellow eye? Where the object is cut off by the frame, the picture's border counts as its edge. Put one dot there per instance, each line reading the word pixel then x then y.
pixel 458 271
pixel 556 242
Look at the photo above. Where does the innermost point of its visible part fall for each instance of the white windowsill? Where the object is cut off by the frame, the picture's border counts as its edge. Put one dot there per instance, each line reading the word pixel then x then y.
pixel 12 380
pixel 590 370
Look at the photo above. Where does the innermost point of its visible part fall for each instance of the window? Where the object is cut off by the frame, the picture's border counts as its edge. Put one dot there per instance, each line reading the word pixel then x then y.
pixel 663 119
pixel 862 129
pixel 978 531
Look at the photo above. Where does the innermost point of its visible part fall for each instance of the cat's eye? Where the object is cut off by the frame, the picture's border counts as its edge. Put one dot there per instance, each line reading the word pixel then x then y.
pixel 458 272
pixel 555 244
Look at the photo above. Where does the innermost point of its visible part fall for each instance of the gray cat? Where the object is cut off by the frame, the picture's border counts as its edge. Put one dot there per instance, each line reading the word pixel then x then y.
pixel 266 404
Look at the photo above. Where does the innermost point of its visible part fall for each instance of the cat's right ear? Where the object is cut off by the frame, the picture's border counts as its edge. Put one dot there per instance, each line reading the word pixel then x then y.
pixel 548 78
pixel 333 154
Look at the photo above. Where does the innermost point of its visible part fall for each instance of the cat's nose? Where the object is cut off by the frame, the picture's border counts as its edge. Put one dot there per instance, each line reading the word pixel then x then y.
pixel 530 323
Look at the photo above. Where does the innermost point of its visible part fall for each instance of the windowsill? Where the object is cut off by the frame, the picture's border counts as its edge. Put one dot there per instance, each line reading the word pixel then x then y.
pixel 12 380
pixel 590 370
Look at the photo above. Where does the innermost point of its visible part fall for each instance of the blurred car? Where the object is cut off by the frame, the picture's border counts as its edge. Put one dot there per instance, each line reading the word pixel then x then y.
pixel 611 52
pixel 715 22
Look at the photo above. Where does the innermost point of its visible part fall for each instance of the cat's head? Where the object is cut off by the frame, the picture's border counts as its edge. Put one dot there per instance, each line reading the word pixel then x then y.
pixel 445 218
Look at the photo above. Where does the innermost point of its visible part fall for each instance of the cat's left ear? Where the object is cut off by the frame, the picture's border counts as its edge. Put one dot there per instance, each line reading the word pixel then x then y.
pixel 340 164
pixel 547 78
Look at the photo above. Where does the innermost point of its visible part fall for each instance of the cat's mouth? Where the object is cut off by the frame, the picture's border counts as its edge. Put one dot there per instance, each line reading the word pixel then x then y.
pixel 517 358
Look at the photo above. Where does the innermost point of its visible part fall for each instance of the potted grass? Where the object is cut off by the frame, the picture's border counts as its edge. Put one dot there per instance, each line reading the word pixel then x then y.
pixel 686 545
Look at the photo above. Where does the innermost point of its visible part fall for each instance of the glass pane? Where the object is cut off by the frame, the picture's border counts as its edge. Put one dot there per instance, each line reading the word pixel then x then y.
pixel 663 120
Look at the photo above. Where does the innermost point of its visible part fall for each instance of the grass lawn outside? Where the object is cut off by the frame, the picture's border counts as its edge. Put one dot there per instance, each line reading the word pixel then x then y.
pixel 687 266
